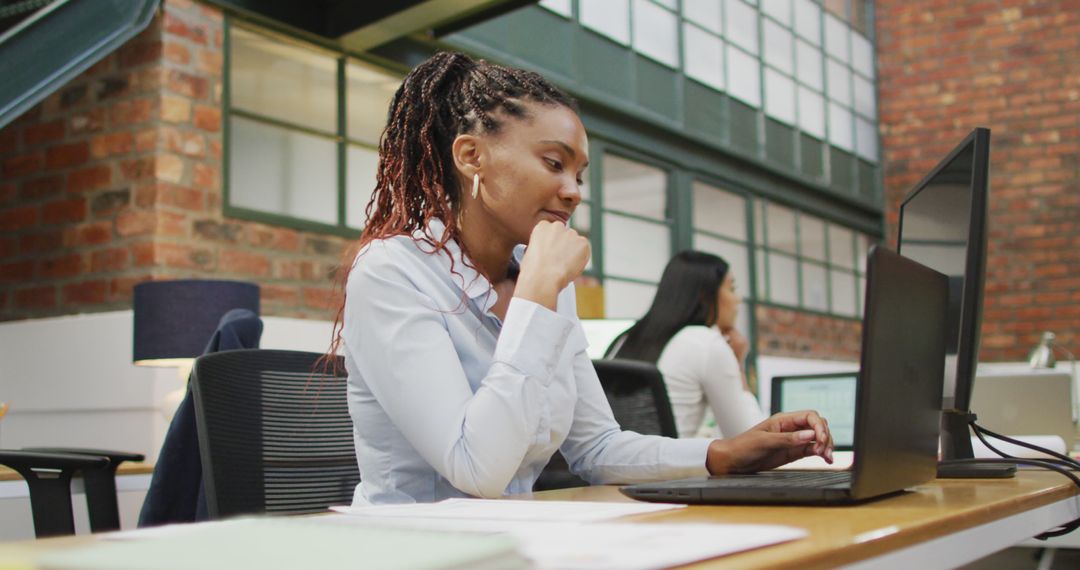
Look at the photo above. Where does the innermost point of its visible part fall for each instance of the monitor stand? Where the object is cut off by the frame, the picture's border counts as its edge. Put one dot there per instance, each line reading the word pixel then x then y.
pixel 956 444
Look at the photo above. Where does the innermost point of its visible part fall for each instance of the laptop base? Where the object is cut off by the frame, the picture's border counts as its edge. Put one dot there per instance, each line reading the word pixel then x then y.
pixel 966 470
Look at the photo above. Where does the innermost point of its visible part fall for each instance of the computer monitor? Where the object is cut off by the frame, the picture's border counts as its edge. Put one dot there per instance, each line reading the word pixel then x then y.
pixel 943 226
pixel 832 395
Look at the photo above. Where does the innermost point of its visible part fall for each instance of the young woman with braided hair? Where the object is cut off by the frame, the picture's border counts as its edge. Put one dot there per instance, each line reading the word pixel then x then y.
pixel 466 361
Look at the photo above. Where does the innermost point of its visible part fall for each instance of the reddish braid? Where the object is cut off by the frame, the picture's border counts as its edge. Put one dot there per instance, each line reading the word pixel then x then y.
pixel 448 95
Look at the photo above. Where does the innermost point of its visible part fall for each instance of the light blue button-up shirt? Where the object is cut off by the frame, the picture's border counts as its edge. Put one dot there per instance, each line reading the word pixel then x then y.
pixel 449 401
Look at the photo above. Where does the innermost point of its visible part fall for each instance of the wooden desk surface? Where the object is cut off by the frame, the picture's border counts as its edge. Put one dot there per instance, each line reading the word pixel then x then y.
pixel 838 535
pixel 846 534
pixel 125 468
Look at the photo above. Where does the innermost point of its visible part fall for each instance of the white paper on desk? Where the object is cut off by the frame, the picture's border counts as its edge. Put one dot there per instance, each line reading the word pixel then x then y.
pixel 602 546
pixel 510 510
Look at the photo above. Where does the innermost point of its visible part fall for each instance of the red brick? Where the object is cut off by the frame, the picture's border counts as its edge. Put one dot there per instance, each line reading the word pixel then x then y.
pixel 43 133
pixel 110 144
pixel 142 254
pixel 22 165
pixel 178 26
pixel 321 298
pixel 84 293
pixel 64 155
pixel 138 52
pixel 137 168
pixel 183 256
pixel 208 118
pixel 133 112
pixel 64 211
pixel 12 219
pixel 279 294
pixel 245 263
pixel 187 84
pixel 41 241
pixel 92 234
pixel 113 259
pixel 36 298
pixel 177 52
pixel 184 141
pixel 8 247
pixel 90 121
pixel 9 140
pixel 16 272
pixel 42 187
pixel 122 288
pixel 89 178
pixel 206 177
pixel 210 62
pixel 134 223
pixel 61 267
pixel 182 197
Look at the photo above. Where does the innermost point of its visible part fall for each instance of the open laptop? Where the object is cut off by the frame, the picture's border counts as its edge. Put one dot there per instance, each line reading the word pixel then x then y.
pixel 832 395
pixel 1037 402
pixel 898 403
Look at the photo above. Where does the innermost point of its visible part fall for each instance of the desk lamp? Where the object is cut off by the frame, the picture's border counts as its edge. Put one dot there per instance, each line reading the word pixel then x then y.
pixel 174 321
pixel 1042 356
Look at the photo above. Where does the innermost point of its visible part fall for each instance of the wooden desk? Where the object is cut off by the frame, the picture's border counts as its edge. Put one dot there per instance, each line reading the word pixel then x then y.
pixel 943 524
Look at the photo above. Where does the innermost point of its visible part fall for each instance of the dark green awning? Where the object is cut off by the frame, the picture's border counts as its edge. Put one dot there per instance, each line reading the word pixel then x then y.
pixel 53 45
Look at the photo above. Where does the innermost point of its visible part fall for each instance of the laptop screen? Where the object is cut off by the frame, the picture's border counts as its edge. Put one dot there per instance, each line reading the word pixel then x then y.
pixel 832 395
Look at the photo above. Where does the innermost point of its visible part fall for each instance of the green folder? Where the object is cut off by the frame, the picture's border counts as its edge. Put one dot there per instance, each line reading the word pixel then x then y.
pixel 267 543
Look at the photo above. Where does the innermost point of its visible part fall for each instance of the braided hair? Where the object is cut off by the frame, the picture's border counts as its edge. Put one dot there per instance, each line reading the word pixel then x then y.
pixel 448 95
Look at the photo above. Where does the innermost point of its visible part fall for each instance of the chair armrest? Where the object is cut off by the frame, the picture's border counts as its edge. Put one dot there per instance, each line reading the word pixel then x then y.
pixel 23 460
pixel 115 457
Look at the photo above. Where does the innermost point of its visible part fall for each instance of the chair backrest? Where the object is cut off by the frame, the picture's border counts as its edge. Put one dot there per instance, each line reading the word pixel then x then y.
pixel 275 434
pixel 638 396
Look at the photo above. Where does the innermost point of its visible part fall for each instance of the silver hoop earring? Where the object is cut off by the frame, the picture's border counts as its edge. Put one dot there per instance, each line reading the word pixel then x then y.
pixel 475 185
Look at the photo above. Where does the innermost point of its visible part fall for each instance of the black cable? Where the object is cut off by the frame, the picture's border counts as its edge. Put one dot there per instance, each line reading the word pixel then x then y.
pixel 1062 464
pixel 979 431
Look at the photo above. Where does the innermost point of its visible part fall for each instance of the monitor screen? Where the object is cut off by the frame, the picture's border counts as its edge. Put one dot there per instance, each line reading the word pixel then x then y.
pixel 831 395
pixel 943 226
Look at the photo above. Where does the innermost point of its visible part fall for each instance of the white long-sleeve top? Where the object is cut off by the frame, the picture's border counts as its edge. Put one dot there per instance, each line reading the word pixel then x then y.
pixel 449 401
pixel 700 369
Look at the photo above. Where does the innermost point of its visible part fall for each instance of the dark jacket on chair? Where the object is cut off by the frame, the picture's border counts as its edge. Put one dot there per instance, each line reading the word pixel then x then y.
pixel 176 491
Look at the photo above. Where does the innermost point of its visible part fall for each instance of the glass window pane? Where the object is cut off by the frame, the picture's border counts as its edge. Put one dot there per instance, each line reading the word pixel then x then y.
pixel 279 80
pixel 808 20
pixel 840 247
pixel 759 222
pixel 838 82
pixel 779 96
pixel 863 91
pixel 634 188
pixel 762 286
pixel 369 92
pixel 625 300
pixel 836 7
pixel 704 54
pixel 837 38
pixel 705 14
pixel 862 245
pixel 282 172
pixel 779 47
pixel 362 165
pixel 743 76
pixel 843 292
pixel 860 291
pixel 778 9
pixel 781 228
pixel 673 4
pixel 866 139
pixel 656 32
pixel 633 248
pixel 862 55
pixel 812 237
pixel 811 112
pixel 561 7
pixel 719 212
pixel 808 62
pixel 814 287
pixel 840 127
pixel 610 18
pixel 733 253
pixel 582 222
pixel 783 279
pixel 741 25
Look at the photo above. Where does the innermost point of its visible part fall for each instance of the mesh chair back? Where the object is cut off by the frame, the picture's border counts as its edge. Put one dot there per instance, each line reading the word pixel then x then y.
pixel 274 433
pixel 637 395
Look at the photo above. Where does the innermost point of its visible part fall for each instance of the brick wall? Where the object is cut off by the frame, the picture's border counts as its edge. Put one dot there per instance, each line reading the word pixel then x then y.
pixel 1012 66
pixel 116 179
pixel 785 332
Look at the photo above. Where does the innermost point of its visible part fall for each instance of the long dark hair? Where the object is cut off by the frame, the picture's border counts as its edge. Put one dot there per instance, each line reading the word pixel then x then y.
pixel 416 181
pixel 685 296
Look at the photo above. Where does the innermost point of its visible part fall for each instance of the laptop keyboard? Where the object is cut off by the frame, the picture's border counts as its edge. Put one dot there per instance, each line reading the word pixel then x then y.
pixel 788 479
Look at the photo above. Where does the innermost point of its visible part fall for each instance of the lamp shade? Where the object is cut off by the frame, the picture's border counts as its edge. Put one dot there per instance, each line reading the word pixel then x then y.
pixel 1042 356
pixel 175 319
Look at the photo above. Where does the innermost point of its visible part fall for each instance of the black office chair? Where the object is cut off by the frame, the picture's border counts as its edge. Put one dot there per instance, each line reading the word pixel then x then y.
pixel 639 401
pixel 275 434
pixel 638 396
pixel 48 476
pixel 99 483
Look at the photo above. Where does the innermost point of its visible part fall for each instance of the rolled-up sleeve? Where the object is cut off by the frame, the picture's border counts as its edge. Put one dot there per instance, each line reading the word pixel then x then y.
pixel 405 354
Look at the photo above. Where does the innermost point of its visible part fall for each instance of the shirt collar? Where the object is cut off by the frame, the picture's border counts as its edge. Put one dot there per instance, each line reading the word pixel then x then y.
pixel 476 287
